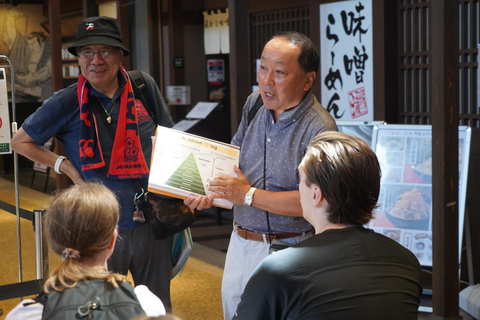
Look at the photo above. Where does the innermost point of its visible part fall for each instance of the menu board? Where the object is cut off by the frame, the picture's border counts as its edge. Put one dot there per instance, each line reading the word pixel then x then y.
pixel 405 202
pixel 359 129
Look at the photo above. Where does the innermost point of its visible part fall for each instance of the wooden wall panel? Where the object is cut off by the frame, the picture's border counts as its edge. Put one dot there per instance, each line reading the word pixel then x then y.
pixel 264 25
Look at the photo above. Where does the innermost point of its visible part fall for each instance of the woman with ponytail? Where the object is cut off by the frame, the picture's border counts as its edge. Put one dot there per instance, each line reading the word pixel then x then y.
pixel 81 226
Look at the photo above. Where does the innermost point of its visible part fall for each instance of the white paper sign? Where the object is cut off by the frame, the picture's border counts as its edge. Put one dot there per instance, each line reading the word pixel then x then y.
pixel 184 125
pixel 224 33
pixel 212 33
pixel 178 95
pixel 4 115
pixel 201 110
pixel 346 62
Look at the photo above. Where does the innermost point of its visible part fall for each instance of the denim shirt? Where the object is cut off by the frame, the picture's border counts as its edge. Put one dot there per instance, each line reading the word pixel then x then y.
pixel 270 153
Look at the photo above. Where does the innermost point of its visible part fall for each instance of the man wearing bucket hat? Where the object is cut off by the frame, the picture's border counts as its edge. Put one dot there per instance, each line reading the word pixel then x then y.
pixel 107 137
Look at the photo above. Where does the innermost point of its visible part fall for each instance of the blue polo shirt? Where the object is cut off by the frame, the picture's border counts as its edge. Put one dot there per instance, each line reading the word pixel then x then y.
pixel 59 116
pixel 270 153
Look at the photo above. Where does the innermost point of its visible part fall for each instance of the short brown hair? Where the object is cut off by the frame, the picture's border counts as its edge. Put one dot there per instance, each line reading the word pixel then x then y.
pixel 83 218
pixel 347 171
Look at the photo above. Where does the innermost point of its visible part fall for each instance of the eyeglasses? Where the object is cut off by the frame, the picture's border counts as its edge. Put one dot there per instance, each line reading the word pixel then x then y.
pixel 103 53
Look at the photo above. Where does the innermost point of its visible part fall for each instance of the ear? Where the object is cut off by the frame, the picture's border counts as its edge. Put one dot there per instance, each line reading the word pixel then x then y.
pixel 310 79
pixel 111 245
pixel 121 55
pixel 317 195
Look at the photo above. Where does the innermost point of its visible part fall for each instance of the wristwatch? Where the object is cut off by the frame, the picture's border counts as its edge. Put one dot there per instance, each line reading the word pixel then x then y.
pixel 248 199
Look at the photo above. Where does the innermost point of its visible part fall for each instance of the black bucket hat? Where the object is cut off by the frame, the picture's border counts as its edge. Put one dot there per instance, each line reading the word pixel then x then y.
pixel 98 30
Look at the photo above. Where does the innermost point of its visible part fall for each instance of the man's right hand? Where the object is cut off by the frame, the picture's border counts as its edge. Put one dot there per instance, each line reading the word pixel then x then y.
pixel 67 168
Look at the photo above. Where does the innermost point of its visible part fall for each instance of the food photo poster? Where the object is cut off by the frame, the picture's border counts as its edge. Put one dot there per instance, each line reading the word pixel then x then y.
pixel 405 202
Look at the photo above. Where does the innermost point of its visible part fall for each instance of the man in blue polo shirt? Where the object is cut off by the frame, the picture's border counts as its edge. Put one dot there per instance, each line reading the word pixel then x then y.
pixel 267 210
pixel 345 271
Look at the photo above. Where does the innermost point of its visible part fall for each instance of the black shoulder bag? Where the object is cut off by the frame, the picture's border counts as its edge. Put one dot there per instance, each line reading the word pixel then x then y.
pixel 165 215
pixel 252 112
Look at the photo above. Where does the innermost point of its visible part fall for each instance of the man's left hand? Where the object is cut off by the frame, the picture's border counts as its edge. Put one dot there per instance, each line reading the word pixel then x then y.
pixel 230 188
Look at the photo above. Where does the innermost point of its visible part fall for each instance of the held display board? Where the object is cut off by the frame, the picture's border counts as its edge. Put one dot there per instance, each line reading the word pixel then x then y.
pixel 183 164
pixel 405 212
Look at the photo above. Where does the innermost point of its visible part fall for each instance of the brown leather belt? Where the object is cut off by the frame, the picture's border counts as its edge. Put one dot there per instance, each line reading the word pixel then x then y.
pixel 251 235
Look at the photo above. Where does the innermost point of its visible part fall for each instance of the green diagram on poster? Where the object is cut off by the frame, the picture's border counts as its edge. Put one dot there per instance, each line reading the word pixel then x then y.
pixel 187 177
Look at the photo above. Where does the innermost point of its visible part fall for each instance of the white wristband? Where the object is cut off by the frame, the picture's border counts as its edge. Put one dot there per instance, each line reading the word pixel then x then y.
pixel 57 164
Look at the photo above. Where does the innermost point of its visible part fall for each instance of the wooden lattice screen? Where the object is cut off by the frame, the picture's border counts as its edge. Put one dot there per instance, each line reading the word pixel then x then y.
pixel 414 62
pixel 469 29
pixel 264 25
pixel 413 47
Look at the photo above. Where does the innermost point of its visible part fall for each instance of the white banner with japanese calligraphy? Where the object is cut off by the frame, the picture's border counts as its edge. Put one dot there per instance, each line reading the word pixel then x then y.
pixel 346 59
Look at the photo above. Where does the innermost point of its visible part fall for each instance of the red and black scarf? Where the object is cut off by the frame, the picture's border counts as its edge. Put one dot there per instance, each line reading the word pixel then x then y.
pixel 127 160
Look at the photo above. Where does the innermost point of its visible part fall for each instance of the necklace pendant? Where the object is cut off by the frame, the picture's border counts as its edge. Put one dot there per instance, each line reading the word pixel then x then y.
pixel 109 119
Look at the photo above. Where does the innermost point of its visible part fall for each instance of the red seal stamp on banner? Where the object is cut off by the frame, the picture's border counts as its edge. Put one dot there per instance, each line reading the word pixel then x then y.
pixel 358 102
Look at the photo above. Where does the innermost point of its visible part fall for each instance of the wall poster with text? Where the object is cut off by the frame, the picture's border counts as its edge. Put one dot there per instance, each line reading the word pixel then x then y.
pixel 346 59
pixel 4 115
pixel 405 202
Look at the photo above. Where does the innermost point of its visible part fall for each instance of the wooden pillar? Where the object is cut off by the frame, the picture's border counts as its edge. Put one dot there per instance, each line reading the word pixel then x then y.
pixel 123 18
pixel 155 42
pixel 176 18
pixel 56 44
pixel 239 60
pixel 444 114
pixel 90 9
pixel 313 7
pixel 57 76
pixel 379 75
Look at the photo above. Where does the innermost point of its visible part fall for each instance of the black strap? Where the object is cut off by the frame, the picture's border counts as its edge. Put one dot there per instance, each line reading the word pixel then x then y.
pixel 252 112
pixel 41 298
pixel 140 91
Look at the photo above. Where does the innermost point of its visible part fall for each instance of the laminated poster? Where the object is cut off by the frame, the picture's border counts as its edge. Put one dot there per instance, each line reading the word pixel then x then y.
pixel 183 164
pixel 405 201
